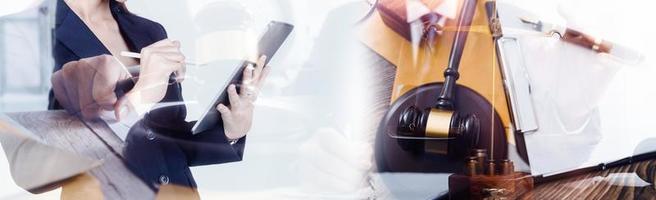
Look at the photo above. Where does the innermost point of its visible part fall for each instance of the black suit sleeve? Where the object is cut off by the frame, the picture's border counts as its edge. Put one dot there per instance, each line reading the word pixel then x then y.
pixel 205 148
pixel 213 147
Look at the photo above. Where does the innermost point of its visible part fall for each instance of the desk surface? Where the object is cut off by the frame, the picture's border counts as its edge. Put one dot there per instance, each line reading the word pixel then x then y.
pixel 61 130
pixel 614 183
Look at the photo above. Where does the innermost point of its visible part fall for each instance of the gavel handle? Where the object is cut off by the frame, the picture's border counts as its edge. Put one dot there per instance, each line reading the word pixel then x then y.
pixel 446 98
pixel 597 44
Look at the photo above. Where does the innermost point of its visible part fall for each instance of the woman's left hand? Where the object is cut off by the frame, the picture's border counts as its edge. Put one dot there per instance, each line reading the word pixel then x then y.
pixel 238 118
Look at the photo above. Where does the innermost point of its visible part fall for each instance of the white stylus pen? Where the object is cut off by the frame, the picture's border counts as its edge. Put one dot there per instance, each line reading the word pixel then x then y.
pixel 138 56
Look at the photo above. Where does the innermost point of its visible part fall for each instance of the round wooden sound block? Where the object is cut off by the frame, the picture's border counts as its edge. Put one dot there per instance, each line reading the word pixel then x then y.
pixel 415 155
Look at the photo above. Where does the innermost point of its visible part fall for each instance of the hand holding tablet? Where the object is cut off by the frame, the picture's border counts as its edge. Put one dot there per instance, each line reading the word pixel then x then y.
pixel 238 118
pixel 268 45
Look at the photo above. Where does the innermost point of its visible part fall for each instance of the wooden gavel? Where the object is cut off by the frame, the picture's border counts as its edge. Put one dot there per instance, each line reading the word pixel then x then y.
pixel 443 120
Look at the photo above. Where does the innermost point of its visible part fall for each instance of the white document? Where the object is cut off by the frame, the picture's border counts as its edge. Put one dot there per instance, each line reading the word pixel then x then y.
pixel 591 108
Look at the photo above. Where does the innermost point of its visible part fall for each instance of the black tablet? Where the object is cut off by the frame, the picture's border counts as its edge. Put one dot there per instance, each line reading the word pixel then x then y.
pixel 269 43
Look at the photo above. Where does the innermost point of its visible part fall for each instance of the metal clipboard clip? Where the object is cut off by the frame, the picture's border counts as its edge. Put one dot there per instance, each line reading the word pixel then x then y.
pixel 517 84
pixel 516 80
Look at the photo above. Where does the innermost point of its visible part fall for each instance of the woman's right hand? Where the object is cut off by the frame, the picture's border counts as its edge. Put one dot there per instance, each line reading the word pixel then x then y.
pixel 158 62
pixel 86 87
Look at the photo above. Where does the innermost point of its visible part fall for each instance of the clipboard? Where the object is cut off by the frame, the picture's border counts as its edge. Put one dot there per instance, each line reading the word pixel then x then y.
pixel 554 148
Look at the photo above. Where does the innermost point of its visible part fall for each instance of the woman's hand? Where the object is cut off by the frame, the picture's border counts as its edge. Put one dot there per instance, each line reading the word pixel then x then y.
pixel 238 119
pixel 158 62
pixel 87 86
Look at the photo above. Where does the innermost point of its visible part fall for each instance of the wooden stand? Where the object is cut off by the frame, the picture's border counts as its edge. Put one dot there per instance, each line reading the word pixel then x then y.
pixel 489 179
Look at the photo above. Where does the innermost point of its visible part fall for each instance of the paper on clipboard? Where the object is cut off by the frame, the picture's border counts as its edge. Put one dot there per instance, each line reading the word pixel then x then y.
pixel 591 109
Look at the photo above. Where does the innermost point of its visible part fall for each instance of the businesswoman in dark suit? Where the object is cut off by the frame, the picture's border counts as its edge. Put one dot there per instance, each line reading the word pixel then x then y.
pixel 87 34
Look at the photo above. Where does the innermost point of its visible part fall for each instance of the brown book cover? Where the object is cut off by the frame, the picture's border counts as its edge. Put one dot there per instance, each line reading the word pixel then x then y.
pixel 394 15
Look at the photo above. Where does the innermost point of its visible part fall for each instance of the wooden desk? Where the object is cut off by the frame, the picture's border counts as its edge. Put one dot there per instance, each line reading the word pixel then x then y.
pixel 600 185
pixel 61 130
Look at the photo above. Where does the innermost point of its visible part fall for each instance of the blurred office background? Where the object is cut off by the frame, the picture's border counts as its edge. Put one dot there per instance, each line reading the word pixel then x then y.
pixel 25 68
pixel 25 58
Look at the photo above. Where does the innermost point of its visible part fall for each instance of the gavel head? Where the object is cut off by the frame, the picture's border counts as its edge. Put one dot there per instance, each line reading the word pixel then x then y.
pixel 462 131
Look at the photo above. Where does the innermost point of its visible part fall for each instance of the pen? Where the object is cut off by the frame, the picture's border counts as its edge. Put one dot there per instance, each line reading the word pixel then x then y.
pixel 138 56
pixel 594 43
pixel 133 70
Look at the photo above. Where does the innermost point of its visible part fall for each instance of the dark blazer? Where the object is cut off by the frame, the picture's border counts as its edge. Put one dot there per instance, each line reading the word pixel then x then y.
pixel 160 147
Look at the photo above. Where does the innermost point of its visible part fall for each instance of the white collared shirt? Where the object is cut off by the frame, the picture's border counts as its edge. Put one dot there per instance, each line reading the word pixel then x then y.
pixel 415 9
